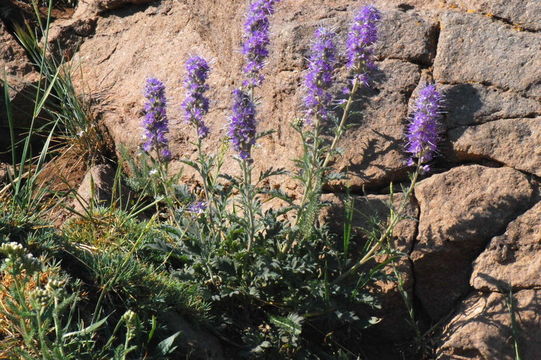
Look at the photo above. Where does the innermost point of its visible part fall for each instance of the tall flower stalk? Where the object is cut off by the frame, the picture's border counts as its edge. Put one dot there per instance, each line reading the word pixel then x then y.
pixel 256 40
pixel 423 130
pixel 319 80
pixel 422 138
pixel 156 129
pixel 242 133
pixel 155 123
pixel 242 125
pixel 362 35
pixel 196 106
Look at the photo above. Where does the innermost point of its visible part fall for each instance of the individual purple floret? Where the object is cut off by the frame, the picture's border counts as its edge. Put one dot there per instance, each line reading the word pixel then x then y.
pixel 320 76
pixel 196 105
pixel 362 35
pixel 424 127
pixel 197 207
pixel 256 40
pixel 156 126
pixel 242 126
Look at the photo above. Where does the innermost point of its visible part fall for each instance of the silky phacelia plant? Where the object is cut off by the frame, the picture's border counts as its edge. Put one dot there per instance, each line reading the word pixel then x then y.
pixel 320 76
pixel 242 125
pixel 362 35
pixel 256 40
pixel 196 104
pixel 423 130
pixel 155 123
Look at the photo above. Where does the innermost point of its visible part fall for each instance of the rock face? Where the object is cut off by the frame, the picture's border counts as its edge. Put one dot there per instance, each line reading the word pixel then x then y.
pixel 507 263
pixel 476 49
pixel 483 329
pixel 476 104
pixel 482 54
pixel 372 151
pixel 13 60
pixel 512 142
pixel 460 211
pixel 523 13
pixel 17 71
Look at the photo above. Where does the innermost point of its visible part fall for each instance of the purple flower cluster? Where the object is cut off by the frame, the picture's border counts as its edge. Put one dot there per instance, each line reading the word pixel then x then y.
pixel 256 40
pixel 424 127
pixel 155 122
pixel 362 35
pixel 242 125
pixel 320 76
pixel 196 105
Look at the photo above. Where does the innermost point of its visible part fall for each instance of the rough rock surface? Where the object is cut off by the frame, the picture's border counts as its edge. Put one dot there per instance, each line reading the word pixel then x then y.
pixel 475 104
pixel 521 13
pixel 373 150
pixel 474 48
pixel 17 71
pixel 513 142
pixel 512 261
pixel 460 210
pixel 482 328
pixel 13 60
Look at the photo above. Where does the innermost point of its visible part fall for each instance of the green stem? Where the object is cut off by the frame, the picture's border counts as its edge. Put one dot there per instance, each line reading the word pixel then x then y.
pixel 320 168
pixel 203 172
pixel 248 195
pixel 395 218
pixel 343 121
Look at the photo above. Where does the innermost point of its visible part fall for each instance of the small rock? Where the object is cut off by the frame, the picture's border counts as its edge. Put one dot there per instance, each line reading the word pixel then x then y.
pixel 407 36
pixel 513 142
pixel 97 186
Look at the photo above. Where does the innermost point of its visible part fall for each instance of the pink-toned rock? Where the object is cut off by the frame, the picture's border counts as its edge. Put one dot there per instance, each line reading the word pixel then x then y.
pixel 128 46
pixel 523 13
pixel 412 35
pixel 513 142
pixel 19 74
pixel 474 104
pixel 461 210
pixel 482 328
pixel 13 61
pixel 512 260
pixel 474 48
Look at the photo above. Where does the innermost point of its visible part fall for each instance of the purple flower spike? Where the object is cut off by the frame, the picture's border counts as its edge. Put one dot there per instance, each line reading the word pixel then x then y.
pixel 256 40
pixel 320 76
pixel 242 126
pixel 424 127
pixel 196 105
pixel 156 126
pixel 362 35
